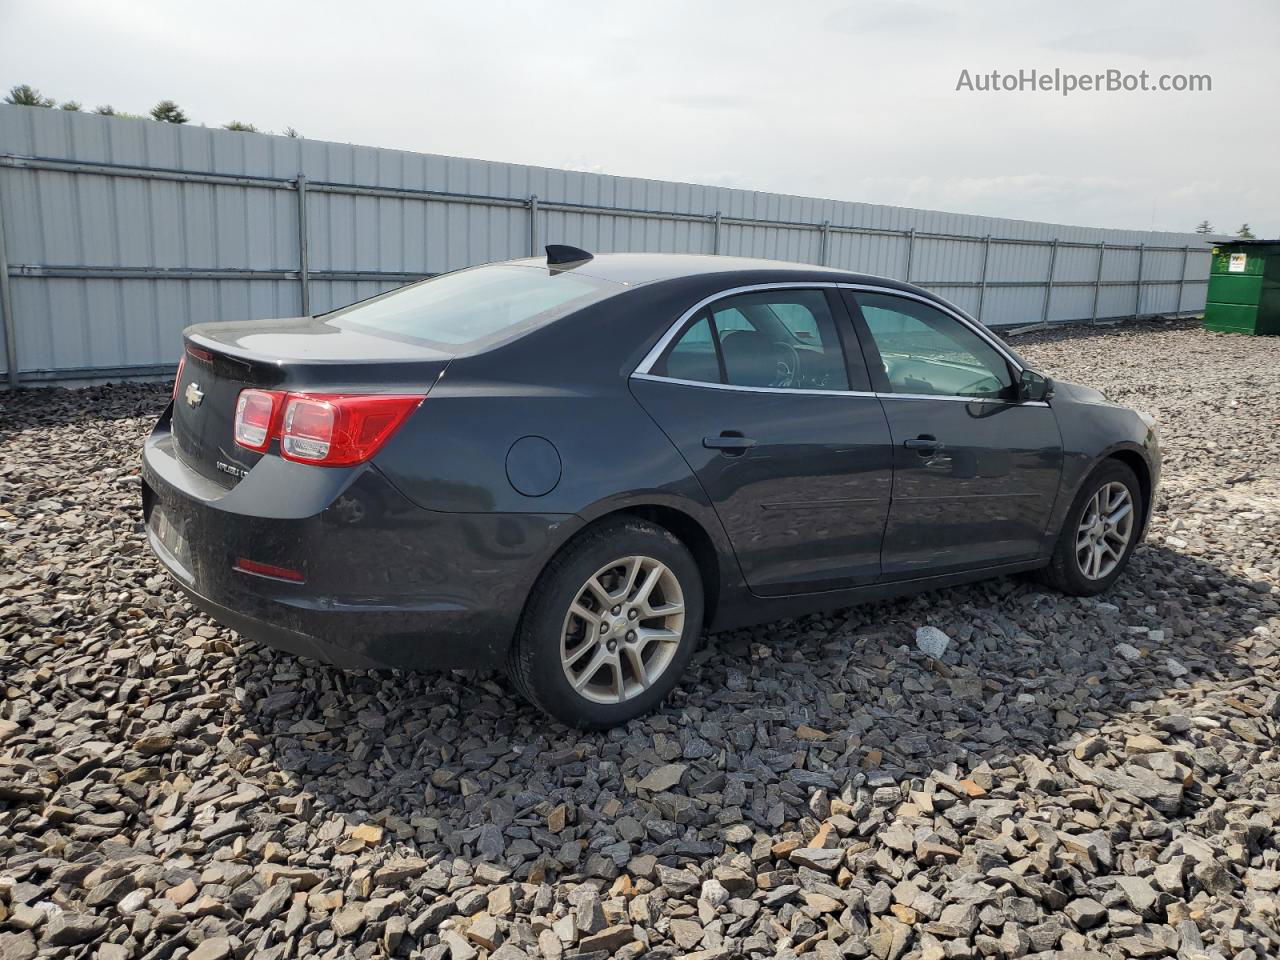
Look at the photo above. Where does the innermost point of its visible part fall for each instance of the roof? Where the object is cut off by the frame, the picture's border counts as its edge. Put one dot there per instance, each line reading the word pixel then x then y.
pixel 1243 243
pixel 634 269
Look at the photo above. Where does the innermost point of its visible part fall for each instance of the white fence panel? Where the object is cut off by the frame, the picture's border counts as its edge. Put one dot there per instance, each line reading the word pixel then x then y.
pixel 117 233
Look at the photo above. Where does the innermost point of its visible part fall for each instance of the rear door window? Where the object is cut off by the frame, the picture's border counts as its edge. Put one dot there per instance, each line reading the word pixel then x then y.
pixel 695 355
pixel 776 339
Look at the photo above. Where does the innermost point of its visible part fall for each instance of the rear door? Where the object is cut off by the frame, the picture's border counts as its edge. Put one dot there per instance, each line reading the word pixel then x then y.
pixel 757 392
pixel 975 471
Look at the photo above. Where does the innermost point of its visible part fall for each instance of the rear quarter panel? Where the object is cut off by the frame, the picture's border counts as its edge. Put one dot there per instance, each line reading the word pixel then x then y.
pixel 565 383
pixel 453 455
pixel 568 384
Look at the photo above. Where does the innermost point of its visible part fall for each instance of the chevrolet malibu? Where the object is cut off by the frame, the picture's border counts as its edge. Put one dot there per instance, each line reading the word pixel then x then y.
pixel 574 466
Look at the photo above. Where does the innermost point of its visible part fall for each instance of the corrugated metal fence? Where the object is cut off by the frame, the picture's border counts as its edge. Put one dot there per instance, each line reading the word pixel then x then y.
pixel 116 233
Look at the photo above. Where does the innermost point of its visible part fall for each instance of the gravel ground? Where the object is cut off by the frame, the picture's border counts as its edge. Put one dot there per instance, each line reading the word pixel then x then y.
pixel 1095 777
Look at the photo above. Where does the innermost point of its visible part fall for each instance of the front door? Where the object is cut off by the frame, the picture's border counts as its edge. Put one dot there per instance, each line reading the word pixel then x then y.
pixel 756 393
pixel 975 471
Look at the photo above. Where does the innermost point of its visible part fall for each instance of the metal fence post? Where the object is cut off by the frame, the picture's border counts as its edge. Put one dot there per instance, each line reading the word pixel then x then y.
pixel 304 257
pixel 911 246
pixel 7 320
pixel 533 224
pixel 1137 297
pixel 982 284
pixel 823 232
pixel 1182 276
pixel 1097 281
pixel 1048 285
pixel 715 234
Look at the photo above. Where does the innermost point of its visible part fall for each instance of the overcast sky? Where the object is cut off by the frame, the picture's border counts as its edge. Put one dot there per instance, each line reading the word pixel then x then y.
pixel 853 101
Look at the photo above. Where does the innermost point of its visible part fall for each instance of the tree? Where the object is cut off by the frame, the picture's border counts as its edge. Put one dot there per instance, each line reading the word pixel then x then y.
pixel 1204 227
pixel 1244 233
pixel 24 95
pixel 73 105
pixel 242 127
pixel 166 111
pixel 105 110
pixel 292 133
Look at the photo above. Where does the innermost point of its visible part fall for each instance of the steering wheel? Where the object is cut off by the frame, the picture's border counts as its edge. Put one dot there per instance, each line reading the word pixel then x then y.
pixel 788 365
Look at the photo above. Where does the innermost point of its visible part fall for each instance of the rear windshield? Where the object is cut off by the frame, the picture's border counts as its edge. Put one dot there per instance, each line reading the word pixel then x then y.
pixel 481 304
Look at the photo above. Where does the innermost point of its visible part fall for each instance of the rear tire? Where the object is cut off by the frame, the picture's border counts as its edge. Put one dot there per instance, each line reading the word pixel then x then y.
pixel 610 625
pixel 1099 532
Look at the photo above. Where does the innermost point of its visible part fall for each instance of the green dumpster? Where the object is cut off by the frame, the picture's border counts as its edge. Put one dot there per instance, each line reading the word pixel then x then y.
pixel 1244 288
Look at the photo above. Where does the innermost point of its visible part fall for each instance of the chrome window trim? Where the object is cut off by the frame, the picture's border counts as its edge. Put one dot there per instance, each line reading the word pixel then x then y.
pixel 650 358
pixel 788 391
pixel 930 396
pixel 744 389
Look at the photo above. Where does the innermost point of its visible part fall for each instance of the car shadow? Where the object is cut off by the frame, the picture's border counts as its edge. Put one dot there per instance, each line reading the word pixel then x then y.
pixel 765 716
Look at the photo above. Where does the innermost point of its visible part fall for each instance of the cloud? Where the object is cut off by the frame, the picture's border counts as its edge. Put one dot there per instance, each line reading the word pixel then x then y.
pixel 1159 43
pixel 830 98
pixel 709 101
pixel 890 16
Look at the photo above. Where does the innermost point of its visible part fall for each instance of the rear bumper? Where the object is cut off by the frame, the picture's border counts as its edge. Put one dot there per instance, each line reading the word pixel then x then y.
pixel 387 583
pixel 385 653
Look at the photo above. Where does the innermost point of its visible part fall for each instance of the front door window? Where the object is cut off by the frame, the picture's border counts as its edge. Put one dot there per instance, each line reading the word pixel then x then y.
pixel 925 352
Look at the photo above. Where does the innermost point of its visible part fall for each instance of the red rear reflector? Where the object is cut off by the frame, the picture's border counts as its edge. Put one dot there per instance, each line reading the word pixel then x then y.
pixel 255 418
pixel 269 570
pixel 338 431
pixel 199 354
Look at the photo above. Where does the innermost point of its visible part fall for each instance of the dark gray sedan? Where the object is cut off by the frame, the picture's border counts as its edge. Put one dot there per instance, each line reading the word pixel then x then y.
pixel 576 466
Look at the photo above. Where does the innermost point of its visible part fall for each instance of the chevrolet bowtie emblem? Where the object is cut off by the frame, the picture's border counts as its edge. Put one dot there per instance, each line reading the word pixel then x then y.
pixel 194 395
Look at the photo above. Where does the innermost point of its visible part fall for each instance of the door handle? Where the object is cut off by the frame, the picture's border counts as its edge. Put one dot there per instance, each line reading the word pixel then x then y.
pixel 923 444
pixel 731 443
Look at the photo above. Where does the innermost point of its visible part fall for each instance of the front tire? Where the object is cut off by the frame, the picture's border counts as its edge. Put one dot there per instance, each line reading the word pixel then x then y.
pixel 610 625
pixel 1099 533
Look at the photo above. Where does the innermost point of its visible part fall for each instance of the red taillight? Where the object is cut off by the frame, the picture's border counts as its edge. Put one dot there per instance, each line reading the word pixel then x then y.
pixel 203 355
pixel 328 430
pixel 177 377
pixel 270 570
pixel 255 417
pixel 338 431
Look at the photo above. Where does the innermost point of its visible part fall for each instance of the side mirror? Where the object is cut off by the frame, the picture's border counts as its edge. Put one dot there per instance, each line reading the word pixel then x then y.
pixel 1034 387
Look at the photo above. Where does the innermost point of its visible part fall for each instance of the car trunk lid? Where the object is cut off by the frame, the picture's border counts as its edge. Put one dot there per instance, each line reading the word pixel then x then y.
pixel 300 355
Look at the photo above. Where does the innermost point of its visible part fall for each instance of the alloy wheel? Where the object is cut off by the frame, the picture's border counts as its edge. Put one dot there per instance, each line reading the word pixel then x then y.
pixel 1105 529
pixel 622 629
